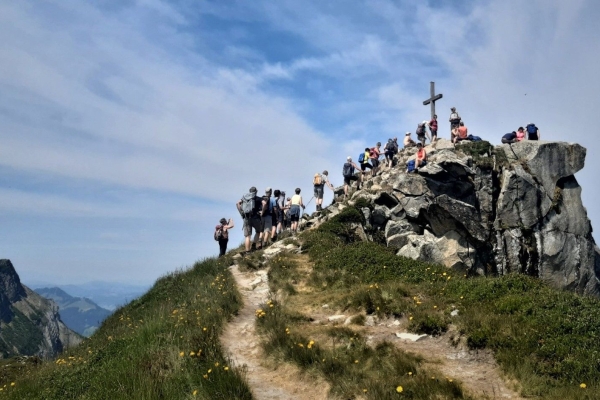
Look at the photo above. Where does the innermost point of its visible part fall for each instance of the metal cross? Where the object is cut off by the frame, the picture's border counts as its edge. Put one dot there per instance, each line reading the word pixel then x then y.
pixel 433 98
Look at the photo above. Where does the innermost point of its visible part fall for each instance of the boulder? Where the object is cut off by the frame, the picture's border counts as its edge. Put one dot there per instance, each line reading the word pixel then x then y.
pixel 411 185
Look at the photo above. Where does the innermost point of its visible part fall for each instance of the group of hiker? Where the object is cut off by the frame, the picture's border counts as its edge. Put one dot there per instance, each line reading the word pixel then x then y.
pixel 269 215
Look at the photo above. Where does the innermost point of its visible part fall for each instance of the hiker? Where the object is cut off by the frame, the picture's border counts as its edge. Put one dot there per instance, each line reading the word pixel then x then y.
pixel 374 158
pixel 509 138
pixel 348 172
pixel 390 150
pixel 421 158
pixel 296 203
pixel 520 134
pixel 533 133
pixel 249 207
pixel 266 217
pixel 408 142
pixel 288 206
pixel 274 213
pixel 281 209
pixel 422 132
pixel 363 160
pixel 461 132
pixel 433 128
pixel 222 236
pixel 454 120
pixel 319 182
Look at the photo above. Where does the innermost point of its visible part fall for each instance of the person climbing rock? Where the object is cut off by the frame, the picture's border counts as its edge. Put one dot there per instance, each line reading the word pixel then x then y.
pixel 296 203
pixel 319 182
pixel 349 176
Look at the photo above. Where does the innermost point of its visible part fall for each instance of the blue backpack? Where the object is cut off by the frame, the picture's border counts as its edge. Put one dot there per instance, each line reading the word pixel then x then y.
pixel 361 158
pixel 410 166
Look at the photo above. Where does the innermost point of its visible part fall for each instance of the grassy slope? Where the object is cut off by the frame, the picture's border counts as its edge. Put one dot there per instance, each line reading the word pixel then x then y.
pixel 162 346
pixel 546 339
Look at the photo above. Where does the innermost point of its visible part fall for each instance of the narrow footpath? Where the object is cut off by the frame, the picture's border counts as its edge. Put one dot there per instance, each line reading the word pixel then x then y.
pixel 267 380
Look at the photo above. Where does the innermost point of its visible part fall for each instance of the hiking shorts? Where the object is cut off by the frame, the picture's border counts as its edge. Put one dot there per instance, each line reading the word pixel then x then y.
pixel 348 179
pixel 366 165
pixel 267 223
pixel 389 154
pixel 434 134
pixel 421 139
pixel 294 213
pixel 374 162
pixel 252 223
pixel 319 189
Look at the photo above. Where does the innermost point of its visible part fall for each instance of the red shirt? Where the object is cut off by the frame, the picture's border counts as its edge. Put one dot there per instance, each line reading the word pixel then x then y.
pixel 433 125
pixel 462 132
pixel 421 154
pixel 375 153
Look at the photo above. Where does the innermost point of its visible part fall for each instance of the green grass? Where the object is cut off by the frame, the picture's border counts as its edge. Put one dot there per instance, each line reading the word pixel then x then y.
pixel 548 340
pixel 351 367
pixel 164 345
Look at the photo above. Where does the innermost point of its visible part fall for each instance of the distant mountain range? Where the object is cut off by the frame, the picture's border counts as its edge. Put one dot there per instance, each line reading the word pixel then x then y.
pixel 29 323
pixel 79 313
pixel 108 295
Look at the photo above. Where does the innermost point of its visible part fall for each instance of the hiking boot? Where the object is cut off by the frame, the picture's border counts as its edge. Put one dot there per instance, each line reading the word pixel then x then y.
pixel 253 247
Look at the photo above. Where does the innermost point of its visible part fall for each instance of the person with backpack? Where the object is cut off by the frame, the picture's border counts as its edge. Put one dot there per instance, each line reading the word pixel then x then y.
pixel 296 203
pixel 422 132
pixel 249 207
pixel 390 150
pixel 533 133
pixel 363 160
pixel 222 234
pixel 454 121
pixel 408 142
pixel 319 182
pixel 433 128
pixel 282 209
pixel 374 155
pixel 509 138
pixel 276 212
pixel 266 216
pixel 348 173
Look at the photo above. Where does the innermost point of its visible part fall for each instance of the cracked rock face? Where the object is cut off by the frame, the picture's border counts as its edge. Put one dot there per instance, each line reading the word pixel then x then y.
pixel 503 209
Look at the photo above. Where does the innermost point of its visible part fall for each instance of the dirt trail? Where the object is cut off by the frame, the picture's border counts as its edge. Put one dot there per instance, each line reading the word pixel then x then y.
pixel 283 381
pixel 476 370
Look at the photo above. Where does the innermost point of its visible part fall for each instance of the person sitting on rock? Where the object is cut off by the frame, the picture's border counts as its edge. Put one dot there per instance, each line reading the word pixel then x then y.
pixel 520 134
pixel 421 159
pixel 461 133
pixel 408 142
pixel 510 138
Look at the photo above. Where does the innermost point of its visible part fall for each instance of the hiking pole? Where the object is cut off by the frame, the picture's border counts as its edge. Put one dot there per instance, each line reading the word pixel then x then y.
pixel 309 201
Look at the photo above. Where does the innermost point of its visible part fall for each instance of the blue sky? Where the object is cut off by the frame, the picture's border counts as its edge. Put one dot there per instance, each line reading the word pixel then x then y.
pixel 129 128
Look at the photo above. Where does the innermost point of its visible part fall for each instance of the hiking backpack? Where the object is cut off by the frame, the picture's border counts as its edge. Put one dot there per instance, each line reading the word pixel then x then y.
pixel 392 146
pixel 348 170
pixel 532 132
pixel 410 166
pixel 372 152
pixel 317 180
pixel 218 232
pixel 361 157
pixel 248 204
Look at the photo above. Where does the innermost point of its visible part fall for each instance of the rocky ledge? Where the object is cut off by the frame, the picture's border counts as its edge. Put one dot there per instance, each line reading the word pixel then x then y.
pixel 486 209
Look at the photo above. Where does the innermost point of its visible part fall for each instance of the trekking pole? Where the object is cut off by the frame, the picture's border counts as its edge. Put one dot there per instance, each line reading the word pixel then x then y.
pixel 309 201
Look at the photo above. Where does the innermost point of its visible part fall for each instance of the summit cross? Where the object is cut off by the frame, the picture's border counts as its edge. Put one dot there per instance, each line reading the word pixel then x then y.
pixel 434 97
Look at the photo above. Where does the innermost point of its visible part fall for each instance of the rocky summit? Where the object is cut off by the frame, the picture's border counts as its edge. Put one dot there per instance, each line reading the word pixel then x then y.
pixel 489 210
pixel 29 324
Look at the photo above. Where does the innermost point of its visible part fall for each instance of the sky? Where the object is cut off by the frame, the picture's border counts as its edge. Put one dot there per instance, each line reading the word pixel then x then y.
pixel 128 128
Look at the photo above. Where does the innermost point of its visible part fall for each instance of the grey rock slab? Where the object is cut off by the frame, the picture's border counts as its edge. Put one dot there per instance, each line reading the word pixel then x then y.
pixel 411 184
pixel 410 336
pixel 548 161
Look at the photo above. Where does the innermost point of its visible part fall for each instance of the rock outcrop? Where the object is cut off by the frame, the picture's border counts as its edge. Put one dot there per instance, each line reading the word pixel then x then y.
pixel 487 210
pixel 29 323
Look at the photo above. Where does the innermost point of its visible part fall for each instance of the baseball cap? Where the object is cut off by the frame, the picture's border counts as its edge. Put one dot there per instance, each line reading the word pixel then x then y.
pixel 268 190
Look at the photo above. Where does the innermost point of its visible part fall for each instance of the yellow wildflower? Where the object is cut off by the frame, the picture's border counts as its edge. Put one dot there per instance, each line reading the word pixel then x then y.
pixel 399 389
pixel 583 386
pixel 226 368
pixel 181 354
pixel 195 392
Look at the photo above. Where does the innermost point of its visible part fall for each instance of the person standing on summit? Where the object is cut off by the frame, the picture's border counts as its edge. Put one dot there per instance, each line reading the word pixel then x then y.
pixel 454 121
pixel 433 127
pixel 222 234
